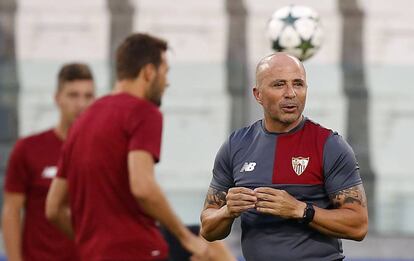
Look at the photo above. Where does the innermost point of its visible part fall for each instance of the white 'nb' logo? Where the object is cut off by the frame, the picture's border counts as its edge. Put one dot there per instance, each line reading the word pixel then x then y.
pixel 248 166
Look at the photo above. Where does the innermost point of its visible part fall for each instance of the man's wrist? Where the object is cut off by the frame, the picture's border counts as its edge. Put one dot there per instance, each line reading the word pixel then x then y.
pixel 184 235
pixel 226 213
pixel 308 214
pixel 300 210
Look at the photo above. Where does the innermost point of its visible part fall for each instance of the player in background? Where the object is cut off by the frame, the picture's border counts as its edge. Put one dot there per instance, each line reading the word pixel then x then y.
pixel 107 166
pixel 32 165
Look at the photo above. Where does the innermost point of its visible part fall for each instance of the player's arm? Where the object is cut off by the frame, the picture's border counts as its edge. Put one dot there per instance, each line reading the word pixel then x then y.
pixel 349 216
pixel 218 251
pixel 13 204
pixel 152 200
pixel 57 207
pixel 224 202
pixel 221 208
pixel 349 219
pixel 216 222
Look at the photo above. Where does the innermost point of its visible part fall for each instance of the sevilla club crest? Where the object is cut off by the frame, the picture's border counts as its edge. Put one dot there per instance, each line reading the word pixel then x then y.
pixel 299 164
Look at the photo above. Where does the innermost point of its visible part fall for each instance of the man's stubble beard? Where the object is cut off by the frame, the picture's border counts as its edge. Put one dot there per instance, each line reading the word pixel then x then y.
pixel 154 94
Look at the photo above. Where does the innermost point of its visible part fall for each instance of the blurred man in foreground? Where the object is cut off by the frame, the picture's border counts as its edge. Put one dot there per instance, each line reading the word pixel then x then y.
pixel 107 166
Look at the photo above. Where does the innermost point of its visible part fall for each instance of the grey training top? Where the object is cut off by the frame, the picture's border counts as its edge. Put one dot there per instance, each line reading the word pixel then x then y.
pixel 310 163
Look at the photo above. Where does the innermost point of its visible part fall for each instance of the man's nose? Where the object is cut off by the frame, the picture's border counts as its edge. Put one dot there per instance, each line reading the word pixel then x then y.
pixel 290 91
pixel 83 102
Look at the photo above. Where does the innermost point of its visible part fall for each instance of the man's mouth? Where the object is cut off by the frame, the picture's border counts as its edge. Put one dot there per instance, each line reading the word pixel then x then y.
pixel 289 108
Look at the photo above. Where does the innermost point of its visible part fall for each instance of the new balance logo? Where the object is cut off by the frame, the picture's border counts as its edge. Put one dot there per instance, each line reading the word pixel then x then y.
pixel 248 166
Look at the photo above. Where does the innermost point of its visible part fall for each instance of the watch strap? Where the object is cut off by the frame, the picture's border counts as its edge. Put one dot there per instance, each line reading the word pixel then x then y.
pixel 308 214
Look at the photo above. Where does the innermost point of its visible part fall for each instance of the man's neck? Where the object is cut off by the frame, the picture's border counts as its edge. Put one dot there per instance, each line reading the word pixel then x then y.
pixel 131 87
pixel 62 129
pixel 279 127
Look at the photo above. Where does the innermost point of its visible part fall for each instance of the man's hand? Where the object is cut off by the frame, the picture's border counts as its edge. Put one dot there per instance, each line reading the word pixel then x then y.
pixel 57 206
pixel 278 203
pixel 197 246
pixel 221 208
pixel 240 199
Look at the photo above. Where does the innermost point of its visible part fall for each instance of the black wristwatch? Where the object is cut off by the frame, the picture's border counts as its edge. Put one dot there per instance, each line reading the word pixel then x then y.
pixel 308 214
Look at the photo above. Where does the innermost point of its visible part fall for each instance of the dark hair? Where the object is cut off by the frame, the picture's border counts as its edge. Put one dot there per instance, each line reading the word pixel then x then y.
pixel 135 52
pixel 73 72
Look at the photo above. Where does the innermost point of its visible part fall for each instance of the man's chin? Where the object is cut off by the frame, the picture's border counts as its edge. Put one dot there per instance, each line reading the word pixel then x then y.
pixel 74 117
pixel 156 102
pixel 290 119
pixel 71 121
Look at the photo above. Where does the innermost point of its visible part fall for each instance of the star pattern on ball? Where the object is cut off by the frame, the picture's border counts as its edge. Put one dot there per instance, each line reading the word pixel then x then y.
pixel 276 45
pixel 296 30
pixel 290 19
pixel 305 45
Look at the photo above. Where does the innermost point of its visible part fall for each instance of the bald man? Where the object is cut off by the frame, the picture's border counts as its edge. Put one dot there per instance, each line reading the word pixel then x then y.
pixel 295 184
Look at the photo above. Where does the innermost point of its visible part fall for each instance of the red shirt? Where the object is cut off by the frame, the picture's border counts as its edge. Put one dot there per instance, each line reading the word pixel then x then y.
pixel 108 222
pixel 31 168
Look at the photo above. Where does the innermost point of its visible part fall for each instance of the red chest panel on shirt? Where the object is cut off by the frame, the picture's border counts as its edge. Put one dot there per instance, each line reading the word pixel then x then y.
pixel 299 156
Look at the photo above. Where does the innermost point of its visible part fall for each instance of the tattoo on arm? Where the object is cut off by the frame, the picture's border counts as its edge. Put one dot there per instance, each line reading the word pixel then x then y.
pixel 353 195
pixel 215 198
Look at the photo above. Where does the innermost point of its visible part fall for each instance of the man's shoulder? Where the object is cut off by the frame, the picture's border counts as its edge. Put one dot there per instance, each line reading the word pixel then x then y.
pixel 37 137
pixel 317 131
pixel 317 126
pixel 333 143
pixel 246 132
pixel 126 101
pixel 33 141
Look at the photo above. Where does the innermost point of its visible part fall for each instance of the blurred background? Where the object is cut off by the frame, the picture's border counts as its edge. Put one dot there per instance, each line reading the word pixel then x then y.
pixel 360 84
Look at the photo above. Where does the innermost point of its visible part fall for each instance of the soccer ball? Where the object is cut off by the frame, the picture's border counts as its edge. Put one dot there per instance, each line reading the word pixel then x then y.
pixel 296 30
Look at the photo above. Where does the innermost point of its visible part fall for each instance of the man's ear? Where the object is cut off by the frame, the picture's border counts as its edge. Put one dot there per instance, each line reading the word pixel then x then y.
pixel 257 94
pixel 56 98
pixel 149 72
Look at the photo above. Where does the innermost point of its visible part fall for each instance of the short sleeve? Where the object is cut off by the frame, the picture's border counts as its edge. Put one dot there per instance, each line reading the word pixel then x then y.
pixel 146 132
pixel 17 173
pixel 341 168
pixel 222 170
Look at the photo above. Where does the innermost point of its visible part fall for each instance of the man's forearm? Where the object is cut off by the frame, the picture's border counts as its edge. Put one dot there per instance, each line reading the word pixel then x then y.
pixel 57 206
pixel 150 197
pixel 221 208
pixel 342 223
pixel 349 219
pixel 215 223
pixel 155 205
pixel 12 234
pixel 63 222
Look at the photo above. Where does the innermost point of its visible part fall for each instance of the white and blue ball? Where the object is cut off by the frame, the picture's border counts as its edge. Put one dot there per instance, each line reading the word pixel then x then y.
pixel 295 29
